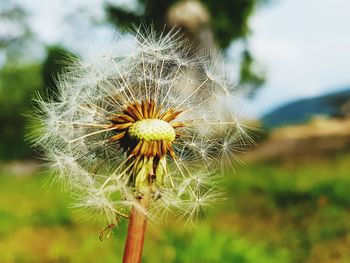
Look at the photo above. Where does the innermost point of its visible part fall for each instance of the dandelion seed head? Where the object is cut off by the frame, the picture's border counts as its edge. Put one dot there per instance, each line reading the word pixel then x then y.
pixel 139 114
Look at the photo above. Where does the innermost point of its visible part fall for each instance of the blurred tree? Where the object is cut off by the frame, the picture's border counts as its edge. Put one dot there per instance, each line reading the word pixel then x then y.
pixel 19 78
pixel 205 23
pixel 339 103
pixel 17 85
pixel 15 33
pixel 248 78
pixel 345 109
pixel 58 58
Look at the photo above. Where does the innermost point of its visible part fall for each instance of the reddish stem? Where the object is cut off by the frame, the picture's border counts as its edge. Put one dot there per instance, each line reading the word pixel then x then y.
pixel 136 231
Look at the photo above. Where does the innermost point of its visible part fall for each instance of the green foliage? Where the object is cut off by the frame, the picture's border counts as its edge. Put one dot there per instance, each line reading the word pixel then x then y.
pixel 229 18
pixel 229 22
pixel 148 11
pixel 15 41
pixel 17 85
pixel 273 213
pixel 248 75
pixel 206 244
pixel 57 60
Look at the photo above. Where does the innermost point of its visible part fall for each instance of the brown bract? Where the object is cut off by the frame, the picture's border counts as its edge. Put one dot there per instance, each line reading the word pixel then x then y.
pixel 140 111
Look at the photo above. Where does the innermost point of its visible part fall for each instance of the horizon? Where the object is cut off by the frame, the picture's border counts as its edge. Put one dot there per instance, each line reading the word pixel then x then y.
pixel 290 102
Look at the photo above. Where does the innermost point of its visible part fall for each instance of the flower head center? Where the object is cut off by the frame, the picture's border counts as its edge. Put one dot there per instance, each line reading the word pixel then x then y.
pixel 152 130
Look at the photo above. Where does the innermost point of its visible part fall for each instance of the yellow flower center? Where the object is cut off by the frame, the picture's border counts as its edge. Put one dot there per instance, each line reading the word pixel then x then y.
pixel 152 130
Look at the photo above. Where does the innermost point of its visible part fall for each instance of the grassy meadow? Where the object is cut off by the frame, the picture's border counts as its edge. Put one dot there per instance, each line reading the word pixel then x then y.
pixel 272 212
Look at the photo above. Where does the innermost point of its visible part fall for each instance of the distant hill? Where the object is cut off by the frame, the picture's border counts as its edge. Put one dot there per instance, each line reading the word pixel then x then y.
pixel 303 110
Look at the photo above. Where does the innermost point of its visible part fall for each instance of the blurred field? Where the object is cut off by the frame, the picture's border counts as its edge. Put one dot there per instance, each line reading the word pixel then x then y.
pixel 273 213
pixel 319 138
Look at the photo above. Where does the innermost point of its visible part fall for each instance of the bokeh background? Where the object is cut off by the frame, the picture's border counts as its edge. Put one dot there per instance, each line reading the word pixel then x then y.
pixel 288 202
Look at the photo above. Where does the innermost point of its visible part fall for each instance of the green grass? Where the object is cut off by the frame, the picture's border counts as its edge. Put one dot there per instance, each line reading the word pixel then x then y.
pixel 272 213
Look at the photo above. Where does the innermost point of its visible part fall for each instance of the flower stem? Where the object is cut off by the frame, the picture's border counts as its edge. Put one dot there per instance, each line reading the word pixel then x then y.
pixel 136 230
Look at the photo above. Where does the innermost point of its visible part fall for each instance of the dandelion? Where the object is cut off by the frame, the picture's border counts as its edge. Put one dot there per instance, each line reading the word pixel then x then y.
pixel 140 131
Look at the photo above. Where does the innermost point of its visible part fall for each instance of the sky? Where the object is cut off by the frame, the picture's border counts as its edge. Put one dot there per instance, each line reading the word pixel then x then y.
pixel 303 45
